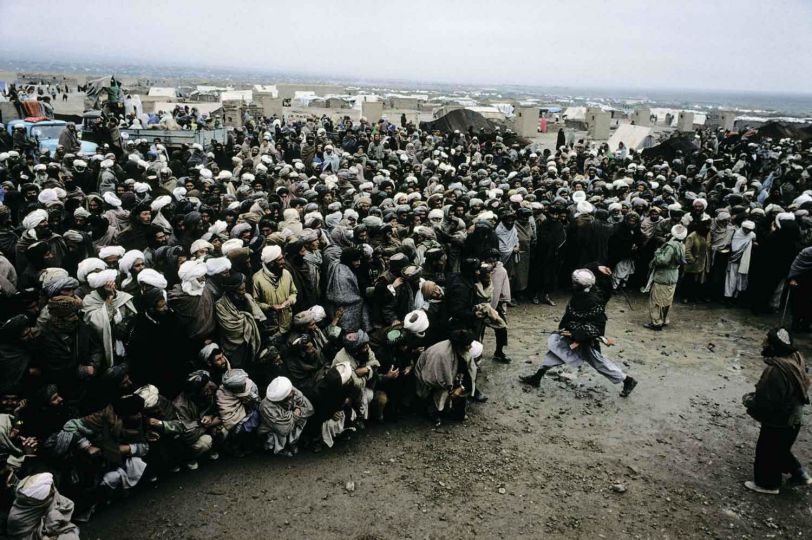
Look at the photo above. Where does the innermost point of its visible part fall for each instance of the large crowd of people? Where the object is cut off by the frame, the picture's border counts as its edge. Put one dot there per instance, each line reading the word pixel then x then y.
pixel 161 306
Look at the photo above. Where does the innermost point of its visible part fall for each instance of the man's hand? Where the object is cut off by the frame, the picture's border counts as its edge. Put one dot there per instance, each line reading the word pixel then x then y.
pixel 392 373
pixel 154 422
pixel 29 445
pixel 110 289
pixel 362 371
pixel 92 451
pixel 605 270
pixel 407 370
pixel 153 436
pixel 88 370
pixel 297 412
pixel 398 282
pixel 793 283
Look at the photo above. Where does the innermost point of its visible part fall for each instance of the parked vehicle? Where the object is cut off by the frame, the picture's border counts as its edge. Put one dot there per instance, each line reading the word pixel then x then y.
pixel 46 133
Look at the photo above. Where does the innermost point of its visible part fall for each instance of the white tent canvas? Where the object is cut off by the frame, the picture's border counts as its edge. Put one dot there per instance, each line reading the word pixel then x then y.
pixel 633 137
pixel 157 91
pixel 575 113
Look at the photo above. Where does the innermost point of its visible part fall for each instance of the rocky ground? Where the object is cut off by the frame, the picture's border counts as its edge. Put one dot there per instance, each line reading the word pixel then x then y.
pixel 570 460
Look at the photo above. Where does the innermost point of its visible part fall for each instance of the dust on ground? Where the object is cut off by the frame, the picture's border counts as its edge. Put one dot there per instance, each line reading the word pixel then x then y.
pixel 571 459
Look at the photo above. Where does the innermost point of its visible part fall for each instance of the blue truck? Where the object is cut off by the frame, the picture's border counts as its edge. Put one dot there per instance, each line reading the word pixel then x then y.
pixel 46 133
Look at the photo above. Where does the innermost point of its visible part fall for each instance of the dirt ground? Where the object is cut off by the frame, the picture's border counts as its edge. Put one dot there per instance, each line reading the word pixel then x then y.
pixel 569 460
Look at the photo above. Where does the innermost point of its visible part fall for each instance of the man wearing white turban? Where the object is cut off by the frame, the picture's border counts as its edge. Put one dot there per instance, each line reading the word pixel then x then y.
pixel 130 264
pixel 663 278
pixel 285 412
pixel 274 289
pixel 192 301
pixel 38 229
pixel 110 314
pixel 580 335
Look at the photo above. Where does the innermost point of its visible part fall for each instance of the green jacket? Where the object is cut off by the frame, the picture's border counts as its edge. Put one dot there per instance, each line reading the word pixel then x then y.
pixel 666 262
pixel 697 254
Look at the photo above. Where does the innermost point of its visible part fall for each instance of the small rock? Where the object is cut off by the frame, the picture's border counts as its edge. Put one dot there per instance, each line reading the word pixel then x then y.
pixel 619 488
pixel 350 486
pixel 502 491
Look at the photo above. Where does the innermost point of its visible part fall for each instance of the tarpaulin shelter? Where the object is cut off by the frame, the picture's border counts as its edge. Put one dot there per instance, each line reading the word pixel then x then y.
pixel 782 130
pixel 668 148
pixel 461 120
pixel 633 137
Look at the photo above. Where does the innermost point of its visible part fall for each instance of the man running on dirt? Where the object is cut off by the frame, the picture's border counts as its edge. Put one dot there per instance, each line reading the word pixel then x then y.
pixel 580 334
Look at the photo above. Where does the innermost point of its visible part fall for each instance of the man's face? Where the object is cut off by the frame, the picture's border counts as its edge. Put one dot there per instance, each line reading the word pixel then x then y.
pixel 43 229
pixel 137 266
pixel 144 217
pixel 161 307
pixel 55 401
pixel 219 361
pixel 160 238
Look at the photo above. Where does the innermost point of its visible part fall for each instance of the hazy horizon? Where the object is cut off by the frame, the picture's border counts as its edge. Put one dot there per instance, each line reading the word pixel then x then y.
pixel 746 46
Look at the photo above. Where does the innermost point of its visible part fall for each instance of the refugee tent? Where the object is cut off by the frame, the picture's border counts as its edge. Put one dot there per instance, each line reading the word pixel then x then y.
pixel 246 96
pixel 633 137
pixel 668 148
pixel 163 92
pixel 575 113
pixel 781 130
pixel 460 119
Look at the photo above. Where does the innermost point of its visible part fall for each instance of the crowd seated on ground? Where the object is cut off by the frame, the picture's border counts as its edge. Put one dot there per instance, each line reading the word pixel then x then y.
pixel 162 307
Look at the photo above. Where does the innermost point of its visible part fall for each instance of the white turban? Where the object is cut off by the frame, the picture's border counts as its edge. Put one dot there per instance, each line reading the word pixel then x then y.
pixel 128 259
pixel 111 199
pixel 141 187
pixel 310 217
pixel 152 277
pixel 190 270
pixel 579 196
pixel 435 214
pixel 679 232
pixel 749 225
pixel 476 349
pixel 199 244
pixel 318 313
pixel 35 218
pixel 583 207
pixel 106 163
pixel 37 486
pixel 100 279
pixel 231 245
pixel 416 322
pixel 111 251
pixel 217 265
pixel 279 389
pixel 47 196
pixel 160 202
pixel 179 193
pixel 149 394
pixel 87 266
pixel 783 216
pixel 583 278
pixel 271 253
pixel 615 206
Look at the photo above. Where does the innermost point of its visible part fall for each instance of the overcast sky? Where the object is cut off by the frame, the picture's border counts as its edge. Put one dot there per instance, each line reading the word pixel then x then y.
pixel 701 44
